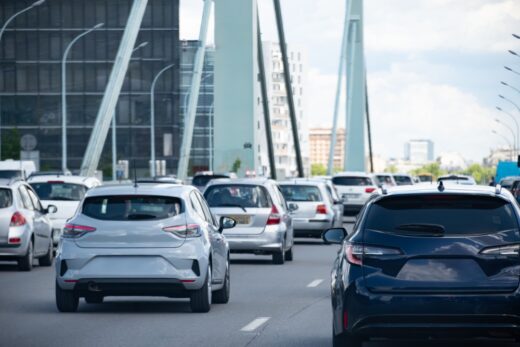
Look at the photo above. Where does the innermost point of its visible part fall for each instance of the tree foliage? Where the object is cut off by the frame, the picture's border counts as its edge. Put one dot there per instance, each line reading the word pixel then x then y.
pixel 318 170
pixel 11 145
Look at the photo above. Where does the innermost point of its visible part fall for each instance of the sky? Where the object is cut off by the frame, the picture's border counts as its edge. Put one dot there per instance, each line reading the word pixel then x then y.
pixel 433 67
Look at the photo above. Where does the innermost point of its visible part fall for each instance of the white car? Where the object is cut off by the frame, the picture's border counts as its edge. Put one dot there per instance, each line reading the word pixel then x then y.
pixel 458 179
pixel 354 188
pixel 64 192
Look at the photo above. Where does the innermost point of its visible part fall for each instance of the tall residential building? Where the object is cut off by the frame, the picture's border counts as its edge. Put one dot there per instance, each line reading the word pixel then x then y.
pixel 31 53
pixel 419 151
pixel 283 143
pixel 319 143
pixel 202 142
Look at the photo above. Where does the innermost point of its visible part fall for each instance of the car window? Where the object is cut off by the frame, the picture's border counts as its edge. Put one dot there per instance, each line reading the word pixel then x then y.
pixel 203 180
pixel 26 200
pixel 195 203
pixel 282 199
pixel 132 207
pixel 58 190
pixel 455 214
pixel 300 193
pixel 6 197
pixel 352 181
pixel 237 195
pixel 34 199
pixel 207 213
pixel 402 179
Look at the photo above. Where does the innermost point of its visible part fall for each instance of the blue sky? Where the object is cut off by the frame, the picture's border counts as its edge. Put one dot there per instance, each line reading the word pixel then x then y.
pixel 434 66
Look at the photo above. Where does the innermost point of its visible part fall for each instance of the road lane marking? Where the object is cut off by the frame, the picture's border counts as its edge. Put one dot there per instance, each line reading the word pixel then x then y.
pixel 314 283
pixel 255 324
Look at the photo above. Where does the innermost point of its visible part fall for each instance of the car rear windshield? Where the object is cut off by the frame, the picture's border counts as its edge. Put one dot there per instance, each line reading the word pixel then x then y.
pixel 8 174
pixel 6 197
pixel 352 181
pixel 57 190
pixel 203 180
pixel 452 214
pixel 301 193
pixel 237 195
pixel 402 179
pixel 132 207
pixel 384 179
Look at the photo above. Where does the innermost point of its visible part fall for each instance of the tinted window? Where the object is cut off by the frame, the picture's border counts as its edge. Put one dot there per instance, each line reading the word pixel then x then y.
pixel 352 181
pixel 6 197
pixel 400 180
pixel 10 174
pixel 132 207
pixel 34 199
pixel 384 179
pixel 453 179
pixel 59 191
pixel 301 193
pixel 203 180
pixel 26 200
pixel 456 214
pixel 233 195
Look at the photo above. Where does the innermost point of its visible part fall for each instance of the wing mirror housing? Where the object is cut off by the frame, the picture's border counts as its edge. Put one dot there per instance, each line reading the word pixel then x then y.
pixel 334 235
pixel 293 207
pixel 226 223
pixel 51 209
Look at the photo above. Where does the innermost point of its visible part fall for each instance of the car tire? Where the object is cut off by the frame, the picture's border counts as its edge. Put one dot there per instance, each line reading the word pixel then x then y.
pixel 289 254
pixel 346 340
pixel 94 299
pixel 46 260
pixel 66 300
pixel 25 263
pixel 221 296
pixel 200 299
pixel 279 258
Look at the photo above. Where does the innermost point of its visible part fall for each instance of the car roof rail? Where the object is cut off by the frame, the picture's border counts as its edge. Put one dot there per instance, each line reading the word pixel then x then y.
pixel 498 189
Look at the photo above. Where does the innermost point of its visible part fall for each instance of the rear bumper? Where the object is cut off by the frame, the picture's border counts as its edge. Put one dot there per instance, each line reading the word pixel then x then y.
pixel 10 252
pixel 131 287
pixel 269 241
pixel 398 315
pixel 312 227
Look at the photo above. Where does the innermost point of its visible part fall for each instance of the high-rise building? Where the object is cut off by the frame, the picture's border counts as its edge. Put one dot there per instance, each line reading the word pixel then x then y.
pixel 283 143
pixel 419 151
pixel 31 52
pixel 319 143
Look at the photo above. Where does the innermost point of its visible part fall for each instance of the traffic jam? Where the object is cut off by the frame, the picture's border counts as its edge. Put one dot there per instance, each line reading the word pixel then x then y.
pixel 423 259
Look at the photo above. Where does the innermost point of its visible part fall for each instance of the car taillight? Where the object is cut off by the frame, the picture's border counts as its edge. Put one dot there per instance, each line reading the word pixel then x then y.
pixel 14 241
pixel 370 190
pixel 355 253
pixel 75 230
pixel 321 209
pixel 502 250
pixel 274 217
pixel 190 230
pixel 17 220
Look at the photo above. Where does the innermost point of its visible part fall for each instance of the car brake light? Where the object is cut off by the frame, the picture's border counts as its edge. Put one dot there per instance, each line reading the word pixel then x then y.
pixel 345 320
pixel 190 230
pixel 55 182
pixel 274 217
pixel 355 253
pixel 370 190
pixel 74 230
pixel 17 220
pixel 321 209
pixel 502 250
pixel 14 241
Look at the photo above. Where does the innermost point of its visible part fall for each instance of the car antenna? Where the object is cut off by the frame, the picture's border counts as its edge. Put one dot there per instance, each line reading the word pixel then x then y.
pixel 135 175
pixel 441 186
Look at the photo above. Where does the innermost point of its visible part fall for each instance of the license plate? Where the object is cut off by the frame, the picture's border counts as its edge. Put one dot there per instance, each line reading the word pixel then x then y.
pixel 347 197
pixel 241 219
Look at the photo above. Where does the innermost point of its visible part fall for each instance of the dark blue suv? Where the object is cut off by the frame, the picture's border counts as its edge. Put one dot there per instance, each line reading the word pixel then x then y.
pixel 429 261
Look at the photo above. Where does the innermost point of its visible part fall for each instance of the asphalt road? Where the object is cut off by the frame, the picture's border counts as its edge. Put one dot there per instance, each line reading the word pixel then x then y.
pixel 270 305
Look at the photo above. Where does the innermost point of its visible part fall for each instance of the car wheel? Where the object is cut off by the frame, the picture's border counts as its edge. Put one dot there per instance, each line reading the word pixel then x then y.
pixel 279 257
pixel 289 254
pixel 221 296
pixel 346 340
pixel 200 299
pixel 25 263
pixel 46 260
pixel 66 300
pixel 94 299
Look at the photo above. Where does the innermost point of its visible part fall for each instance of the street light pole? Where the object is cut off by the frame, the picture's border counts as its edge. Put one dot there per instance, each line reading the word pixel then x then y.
pixel 510 86
pixel 114 138
pixel 514 53
pixel 510 101
pixel 513 71
pixel 517 127
pixel 511 130
pixel 152 118
pixel 505 139
pixel 64 95
pixel 2 30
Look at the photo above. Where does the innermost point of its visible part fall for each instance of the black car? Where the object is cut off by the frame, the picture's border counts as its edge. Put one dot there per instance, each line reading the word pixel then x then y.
pixel 429 262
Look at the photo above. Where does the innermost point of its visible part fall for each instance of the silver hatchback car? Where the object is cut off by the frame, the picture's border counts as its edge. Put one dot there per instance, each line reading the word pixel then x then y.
pixel 264 224
pixel 25 228
pixel 147 239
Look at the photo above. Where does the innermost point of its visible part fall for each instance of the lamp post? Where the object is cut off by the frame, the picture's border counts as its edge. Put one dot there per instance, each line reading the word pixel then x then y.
pixel 514 53
pixel 210 121
pixel 516 123
pixel 513 71
pixel 114 138
pixel 516 36
pixel 511 130
pixel 152 118
pixel 510 101
pixel 64 95
pixel 510 86
pixel 185 105
pixel 2 30
pixel 505 139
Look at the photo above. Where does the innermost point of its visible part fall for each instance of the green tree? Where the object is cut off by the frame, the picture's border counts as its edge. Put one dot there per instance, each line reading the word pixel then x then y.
pixel 236 165
pixel 318 170
pixel 11 145
pixel 433 169
pixel 480 173
pixel 391 169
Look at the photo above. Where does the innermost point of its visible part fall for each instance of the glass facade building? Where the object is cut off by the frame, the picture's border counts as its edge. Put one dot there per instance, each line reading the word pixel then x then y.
pixel 31 51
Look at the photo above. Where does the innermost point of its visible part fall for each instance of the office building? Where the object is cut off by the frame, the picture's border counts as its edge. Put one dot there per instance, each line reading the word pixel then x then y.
pixel 319 143
pixel 419 151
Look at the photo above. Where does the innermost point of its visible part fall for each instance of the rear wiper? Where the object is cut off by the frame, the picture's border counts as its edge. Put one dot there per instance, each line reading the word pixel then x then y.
pixel 436 229
pixel 232 205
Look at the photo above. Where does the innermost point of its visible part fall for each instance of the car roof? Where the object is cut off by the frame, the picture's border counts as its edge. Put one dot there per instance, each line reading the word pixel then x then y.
pixel 88 181
pixel 9 182
pixel 303 182
pixel 449 188
pixel 141 189
pixel 252 180
pixel 352 174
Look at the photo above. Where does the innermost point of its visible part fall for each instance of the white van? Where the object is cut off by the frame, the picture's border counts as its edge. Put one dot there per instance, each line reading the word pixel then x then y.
pixel 16 168
pixel 64 192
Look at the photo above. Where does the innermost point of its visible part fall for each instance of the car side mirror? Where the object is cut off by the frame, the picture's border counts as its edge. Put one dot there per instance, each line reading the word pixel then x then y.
pixel 226 223
pixel 292 207
pixel 334 235
pixel 51 209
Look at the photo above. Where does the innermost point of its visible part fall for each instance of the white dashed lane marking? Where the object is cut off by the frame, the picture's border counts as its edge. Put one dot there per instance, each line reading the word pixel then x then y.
pixel 255 324
pixel 314 283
